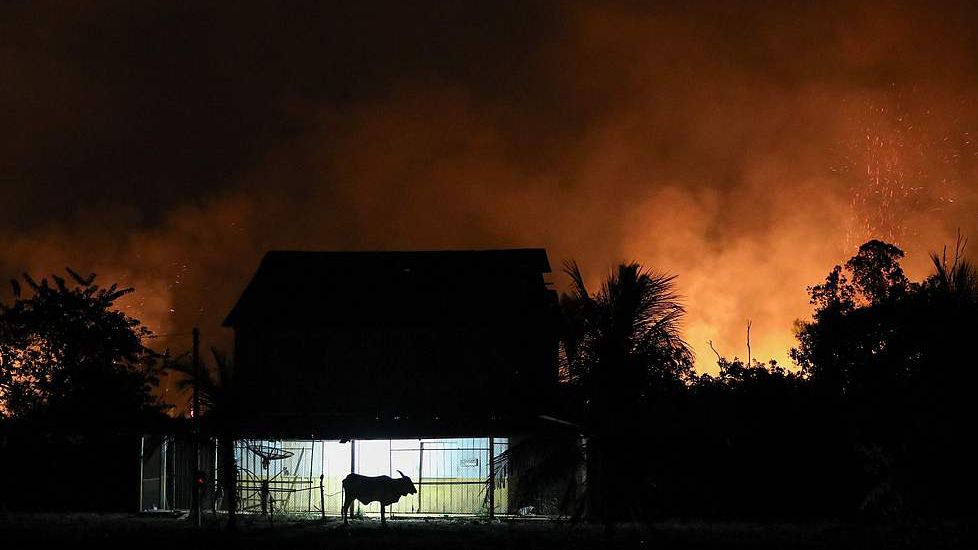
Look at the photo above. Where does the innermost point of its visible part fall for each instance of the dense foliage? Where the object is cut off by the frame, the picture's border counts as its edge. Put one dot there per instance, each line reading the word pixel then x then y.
pixel 892 355
pixel 67 355
pixel 874 424
pixel 620 349
pixel 75 391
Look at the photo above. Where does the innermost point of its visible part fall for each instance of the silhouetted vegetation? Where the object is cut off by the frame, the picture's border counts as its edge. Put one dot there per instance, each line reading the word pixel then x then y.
pixel 620 350
pixel 893 358
pixel 214 388
pixel 67 355
pixel 874 425
pixel 75 390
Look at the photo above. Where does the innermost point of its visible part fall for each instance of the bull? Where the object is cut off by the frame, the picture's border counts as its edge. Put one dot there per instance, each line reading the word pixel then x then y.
pixel 367 489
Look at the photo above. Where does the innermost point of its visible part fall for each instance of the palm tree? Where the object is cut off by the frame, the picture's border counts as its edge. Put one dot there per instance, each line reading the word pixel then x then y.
pixel 620 347
pixel 214 391
pixel 623 342
pixel 958 279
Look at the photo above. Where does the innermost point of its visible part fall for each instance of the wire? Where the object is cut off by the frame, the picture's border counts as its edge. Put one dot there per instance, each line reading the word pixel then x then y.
pixel 171 334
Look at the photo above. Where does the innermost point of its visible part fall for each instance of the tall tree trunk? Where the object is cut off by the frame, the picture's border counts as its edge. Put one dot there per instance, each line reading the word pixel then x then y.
pixel 594 510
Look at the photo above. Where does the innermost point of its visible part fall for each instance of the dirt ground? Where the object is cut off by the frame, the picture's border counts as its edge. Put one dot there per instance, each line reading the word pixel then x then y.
pixel 168 531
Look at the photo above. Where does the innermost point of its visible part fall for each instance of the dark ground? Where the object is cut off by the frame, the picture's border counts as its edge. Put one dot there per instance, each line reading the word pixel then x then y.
pixel 167 531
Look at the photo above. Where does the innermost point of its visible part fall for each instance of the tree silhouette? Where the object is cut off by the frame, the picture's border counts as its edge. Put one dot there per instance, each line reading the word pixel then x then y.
pixel 893 356
pixel 215 390
pixel 75 390
pixel 956 281
pixel 876 423
pixel 620 349
pixel 623 346
pixel 66 353
pixel 876 272
pixel 623 342
pixel 862 326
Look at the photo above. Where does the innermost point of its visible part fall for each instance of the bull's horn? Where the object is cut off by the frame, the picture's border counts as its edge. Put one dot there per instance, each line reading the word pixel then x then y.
pixel 402 473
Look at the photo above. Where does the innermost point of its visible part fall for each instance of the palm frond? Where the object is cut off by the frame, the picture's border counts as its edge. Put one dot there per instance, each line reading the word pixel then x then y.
pixel 543 464
pixel 957 279
pixel 210 389
pixel 619 346
pixel 580 289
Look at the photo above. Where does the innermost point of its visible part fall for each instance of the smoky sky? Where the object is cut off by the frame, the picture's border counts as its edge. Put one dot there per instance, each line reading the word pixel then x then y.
pixel 746 147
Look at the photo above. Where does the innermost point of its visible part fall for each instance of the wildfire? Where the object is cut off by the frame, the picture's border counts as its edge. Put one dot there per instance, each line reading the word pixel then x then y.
pixel 907 173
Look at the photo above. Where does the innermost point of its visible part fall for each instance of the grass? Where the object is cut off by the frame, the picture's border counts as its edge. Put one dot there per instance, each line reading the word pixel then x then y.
pixel 166 531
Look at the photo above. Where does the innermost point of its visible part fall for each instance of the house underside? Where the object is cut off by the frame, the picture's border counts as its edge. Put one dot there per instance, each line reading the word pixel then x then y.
pixel 295 476
pixel 373 362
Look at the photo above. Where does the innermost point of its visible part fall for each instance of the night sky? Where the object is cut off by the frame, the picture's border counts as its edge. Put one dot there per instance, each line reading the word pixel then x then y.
pixel 747 147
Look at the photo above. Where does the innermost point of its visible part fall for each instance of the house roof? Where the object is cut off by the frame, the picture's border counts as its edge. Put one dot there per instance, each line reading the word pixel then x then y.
pixel 318 287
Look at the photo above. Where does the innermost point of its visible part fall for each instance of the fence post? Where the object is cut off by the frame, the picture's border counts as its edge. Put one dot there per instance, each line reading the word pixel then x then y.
pixel 164 448
pixel 353 470
pixel 142 454
pixel 420 473
pixel 216 487
pixel 195 489
pixel 322 498
pixel 492 479
pixel 312 461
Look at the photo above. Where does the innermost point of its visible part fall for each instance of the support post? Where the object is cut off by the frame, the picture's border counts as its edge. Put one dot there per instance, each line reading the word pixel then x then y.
pixel 142 454
pixel 312 458
pixel 215 485
pixel 322 498
pixel 353 467
pixel 164 444
pixel 420 473
pixel 492 479
pixel 195 489
pixel 229 481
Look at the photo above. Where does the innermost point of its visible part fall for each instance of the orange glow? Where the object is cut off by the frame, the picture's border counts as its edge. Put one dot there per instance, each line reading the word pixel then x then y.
pixel 748 159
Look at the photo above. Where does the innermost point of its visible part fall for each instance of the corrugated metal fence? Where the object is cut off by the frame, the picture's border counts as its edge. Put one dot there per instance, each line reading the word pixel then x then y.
pixel 305 476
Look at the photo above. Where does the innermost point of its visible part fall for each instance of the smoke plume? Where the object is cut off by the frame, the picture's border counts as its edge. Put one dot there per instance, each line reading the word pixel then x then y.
pixel 747 148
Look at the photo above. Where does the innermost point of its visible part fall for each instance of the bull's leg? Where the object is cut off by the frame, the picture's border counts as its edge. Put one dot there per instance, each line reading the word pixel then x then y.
pixel 347 509
pixel 383 520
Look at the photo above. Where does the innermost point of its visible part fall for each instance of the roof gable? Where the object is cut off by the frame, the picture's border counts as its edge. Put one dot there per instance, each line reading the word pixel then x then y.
pixel 321 287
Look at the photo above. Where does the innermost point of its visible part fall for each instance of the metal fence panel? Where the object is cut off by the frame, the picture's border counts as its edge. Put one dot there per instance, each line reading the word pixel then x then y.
pixel 450 474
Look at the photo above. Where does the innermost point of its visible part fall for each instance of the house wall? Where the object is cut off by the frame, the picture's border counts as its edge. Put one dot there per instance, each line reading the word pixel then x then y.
pixel 168 472
pixel 395 370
